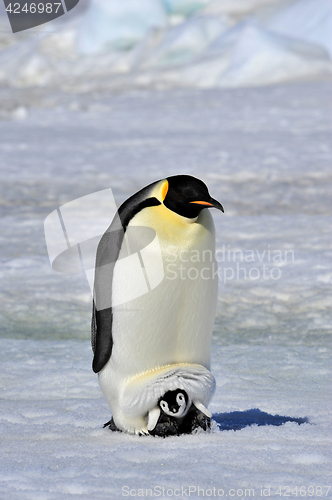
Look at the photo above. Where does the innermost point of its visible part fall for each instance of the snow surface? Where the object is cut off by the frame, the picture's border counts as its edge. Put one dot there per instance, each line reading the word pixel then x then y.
pixel 265 154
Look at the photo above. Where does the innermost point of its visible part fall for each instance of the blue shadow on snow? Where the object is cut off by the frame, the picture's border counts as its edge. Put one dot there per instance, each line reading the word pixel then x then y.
pixel 237 420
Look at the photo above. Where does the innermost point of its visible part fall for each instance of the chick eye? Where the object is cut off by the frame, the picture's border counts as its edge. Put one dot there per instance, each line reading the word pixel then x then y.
pixel 163 405
pixel 180 398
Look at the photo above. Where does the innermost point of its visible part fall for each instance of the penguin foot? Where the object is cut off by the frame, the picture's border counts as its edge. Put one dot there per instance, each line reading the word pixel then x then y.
pixel 142 432
pixel 111 425
pixel 138 432
pixel 168 426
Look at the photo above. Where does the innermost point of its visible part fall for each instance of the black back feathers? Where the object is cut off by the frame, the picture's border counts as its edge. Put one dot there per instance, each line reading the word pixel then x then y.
pixel 107 255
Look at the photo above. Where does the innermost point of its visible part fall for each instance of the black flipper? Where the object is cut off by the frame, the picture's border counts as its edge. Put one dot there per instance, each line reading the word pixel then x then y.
pixel 107 255
pixel 103 347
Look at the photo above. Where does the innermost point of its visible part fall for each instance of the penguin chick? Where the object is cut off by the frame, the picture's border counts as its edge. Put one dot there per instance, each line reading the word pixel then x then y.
pixel 175 403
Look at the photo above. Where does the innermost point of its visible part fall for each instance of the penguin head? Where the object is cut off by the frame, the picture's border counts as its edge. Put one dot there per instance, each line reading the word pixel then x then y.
pixel 187 196
pixel 174 403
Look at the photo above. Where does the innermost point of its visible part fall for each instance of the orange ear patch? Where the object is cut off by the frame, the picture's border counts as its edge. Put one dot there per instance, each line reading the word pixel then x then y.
pixel 164 190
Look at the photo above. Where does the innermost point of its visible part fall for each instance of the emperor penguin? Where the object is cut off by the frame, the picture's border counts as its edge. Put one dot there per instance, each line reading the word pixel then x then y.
pixel 155 296
pixel 177 415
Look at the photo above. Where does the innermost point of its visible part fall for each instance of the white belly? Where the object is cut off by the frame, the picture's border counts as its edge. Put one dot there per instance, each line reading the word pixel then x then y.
pixel 173 322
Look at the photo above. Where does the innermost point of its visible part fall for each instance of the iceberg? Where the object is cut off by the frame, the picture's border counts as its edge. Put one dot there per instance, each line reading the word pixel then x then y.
pixel 238 9
pixel 184 42
pixel 307 20
pixel 118 25
pixel 184 7
pixel 250 55
pixel 116 46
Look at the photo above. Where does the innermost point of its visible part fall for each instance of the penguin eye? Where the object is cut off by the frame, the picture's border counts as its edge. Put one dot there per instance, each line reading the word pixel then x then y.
pixel 180 398
pixel 164 405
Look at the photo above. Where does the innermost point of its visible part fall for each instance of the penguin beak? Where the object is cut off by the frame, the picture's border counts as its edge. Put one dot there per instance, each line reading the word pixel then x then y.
pixel 212 203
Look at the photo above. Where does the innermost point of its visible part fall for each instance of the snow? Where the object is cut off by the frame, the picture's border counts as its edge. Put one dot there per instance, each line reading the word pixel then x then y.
pixel 265 154
pixel 54 447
